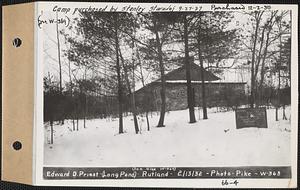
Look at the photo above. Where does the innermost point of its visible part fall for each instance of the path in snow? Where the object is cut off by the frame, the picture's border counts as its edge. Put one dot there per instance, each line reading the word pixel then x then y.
pixel 212 142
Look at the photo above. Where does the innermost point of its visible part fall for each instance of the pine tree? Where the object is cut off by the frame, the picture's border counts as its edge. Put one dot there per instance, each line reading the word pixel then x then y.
pixel 212 42
pixel 99 46
pixel 161 26
pixel 190 95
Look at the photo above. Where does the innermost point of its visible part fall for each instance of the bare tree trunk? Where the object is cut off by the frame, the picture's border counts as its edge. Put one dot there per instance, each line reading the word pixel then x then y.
pixel 77 120
pixel 73 122
pixel 71 96
pixel 58 55
pixel 147 119
pixel 278 68
pixel 51 131
pixel 262 72
pixel 85 110
pixel 143 83
pixel 276 113
pixel 257 17
pixel 131 94
pixel 85 105
pixel 278 94
pixel 84 119
pixel 133 102
pixel 71 88
pixel 269 27
pixel 120 101
pixel 188 75
pixel 202 74
pixel 262 36
pixel 59 62
pixel 283 113
pixel 163 80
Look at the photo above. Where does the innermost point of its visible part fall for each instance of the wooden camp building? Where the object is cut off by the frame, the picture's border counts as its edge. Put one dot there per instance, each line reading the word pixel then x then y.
pixel 218 93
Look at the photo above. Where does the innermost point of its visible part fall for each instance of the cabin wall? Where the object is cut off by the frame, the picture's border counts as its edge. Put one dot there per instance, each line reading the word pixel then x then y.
pixel 222 94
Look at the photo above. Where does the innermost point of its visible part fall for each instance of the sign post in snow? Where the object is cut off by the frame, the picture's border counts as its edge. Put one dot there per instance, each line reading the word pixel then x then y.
pixel 251 117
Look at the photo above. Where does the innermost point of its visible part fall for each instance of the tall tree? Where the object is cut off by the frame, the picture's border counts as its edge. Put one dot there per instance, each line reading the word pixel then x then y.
pixel 143 83
pixel 268 27
pixel 118 68
pixel 264 37
pixel 212 42
pixel 257 17
pixel 58 54
pixel 162 73
pixel 131 92
pixel 200 57
pixel 190 94
pixel 52 98
pixel 280 61
pixel 98 43
pixel 71 102
pixel 286 56
pixel 161 26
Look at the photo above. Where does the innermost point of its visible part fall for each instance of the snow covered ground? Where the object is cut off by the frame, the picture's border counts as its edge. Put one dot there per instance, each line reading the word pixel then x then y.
pixel 212 142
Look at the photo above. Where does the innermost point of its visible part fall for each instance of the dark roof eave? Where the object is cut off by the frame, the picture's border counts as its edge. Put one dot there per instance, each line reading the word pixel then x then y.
pixel 199 82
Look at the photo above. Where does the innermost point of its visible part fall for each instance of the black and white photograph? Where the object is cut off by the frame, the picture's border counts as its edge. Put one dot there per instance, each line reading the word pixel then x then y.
pixel 166 88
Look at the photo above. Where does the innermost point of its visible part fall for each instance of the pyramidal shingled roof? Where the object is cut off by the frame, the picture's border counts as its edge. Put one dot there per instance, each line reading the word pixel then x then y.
pixel 180 74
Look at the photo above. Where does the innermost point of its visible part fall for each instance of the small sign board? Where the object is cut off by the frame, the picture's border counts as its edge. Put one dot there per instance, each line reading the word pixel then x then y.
pixel 251 117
